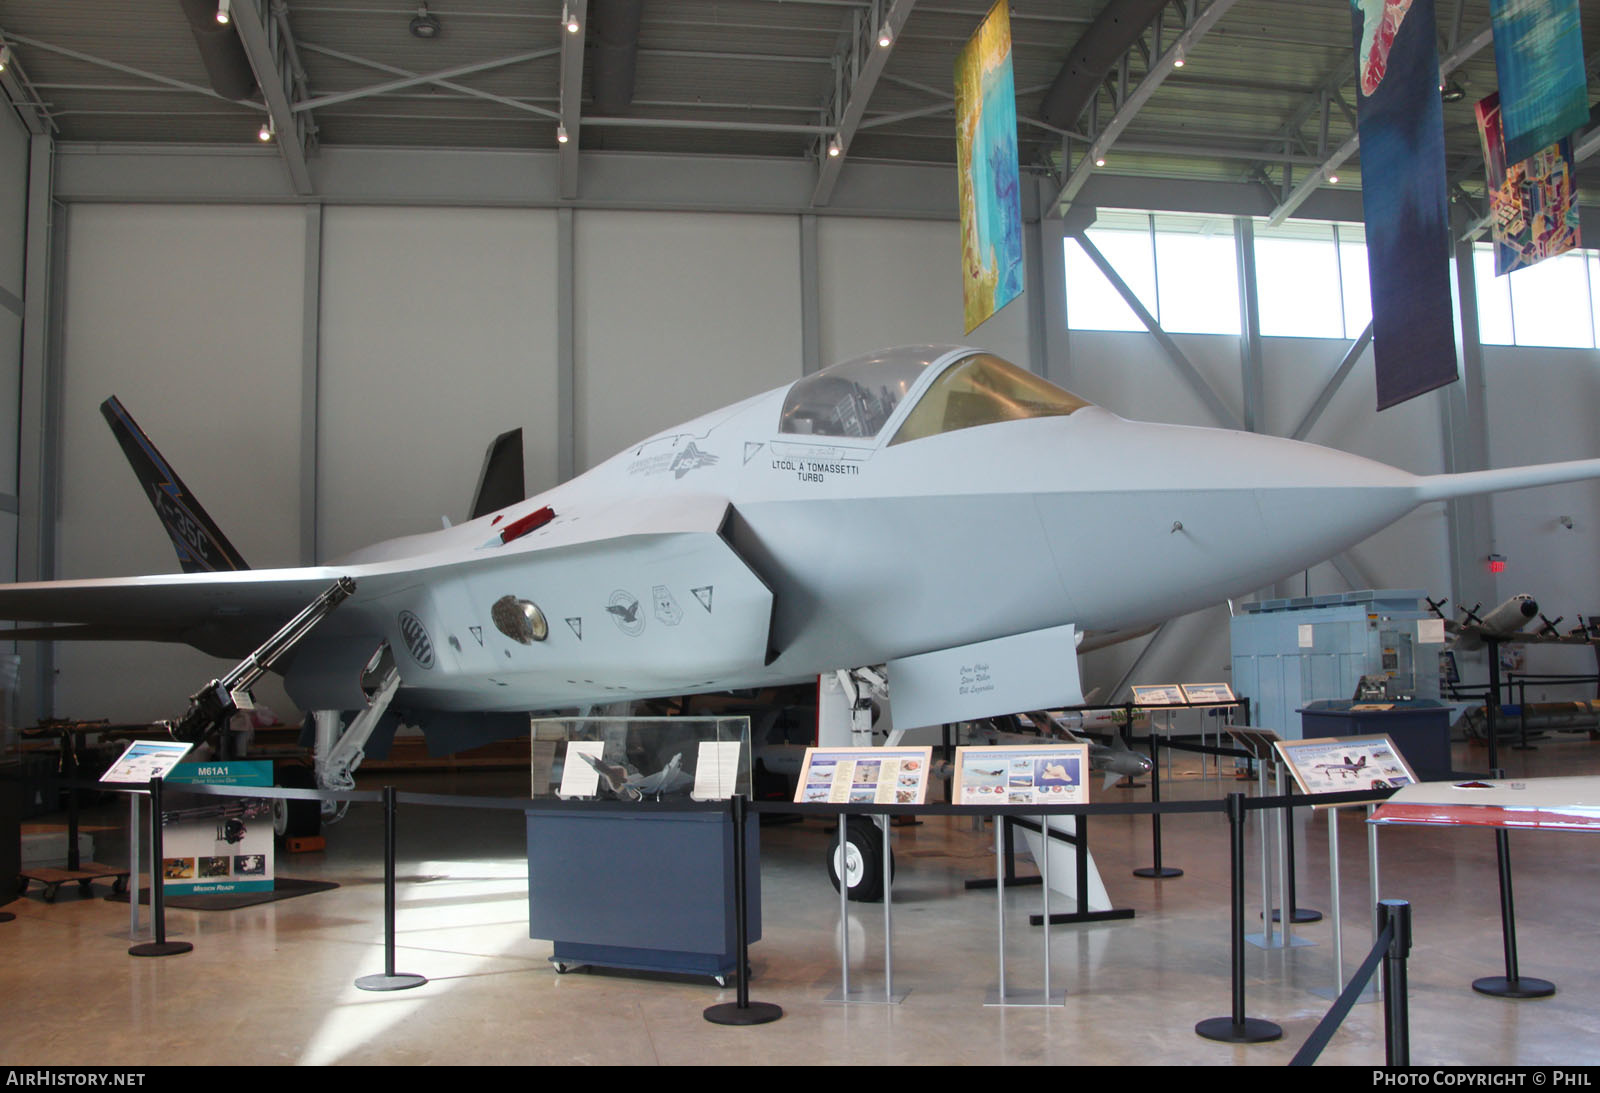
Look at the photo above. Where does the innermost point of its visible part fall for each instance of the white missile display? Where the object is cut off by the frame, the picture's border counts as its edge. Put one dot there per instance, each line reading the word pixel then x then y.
pixel 922 508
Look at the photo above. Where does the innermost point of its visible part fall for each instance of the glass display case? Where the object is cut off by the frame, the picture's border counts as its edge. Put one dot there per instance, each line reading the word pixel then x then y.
pixel 640 758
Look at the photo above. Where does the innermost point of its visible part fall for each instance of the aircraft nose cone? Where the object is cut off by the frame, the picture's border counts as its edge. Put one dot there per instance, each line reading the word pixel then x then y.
pixel 1192 516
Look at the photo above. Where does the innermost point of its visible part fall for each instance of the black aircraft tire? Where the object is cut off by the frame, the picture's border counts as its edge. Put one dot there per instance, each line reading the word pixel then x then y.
pixel 864 861
pixel 296 819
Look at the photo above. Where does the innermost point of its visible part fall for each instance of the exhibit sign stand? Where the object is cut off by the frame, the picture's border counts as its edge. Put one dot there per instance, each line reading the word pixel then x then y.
pixel 1055 774
pixel 864 776
pixel 1341 765
pixel 141 762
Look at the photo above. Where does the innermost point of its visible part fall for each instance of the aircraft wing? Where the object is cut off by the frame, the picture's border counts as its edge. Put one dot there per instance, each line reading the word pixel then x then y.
pixel 227 614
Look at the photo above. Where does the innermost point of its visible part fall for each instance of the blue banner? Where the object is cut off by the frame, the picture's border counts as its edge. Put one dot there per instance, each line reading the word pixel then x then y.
pixel 1405 197
pixel 1538 51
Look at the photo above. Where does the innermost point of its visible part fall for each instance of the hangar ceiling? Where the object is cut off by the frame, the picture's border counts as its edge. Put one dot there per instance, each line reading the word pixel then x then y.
pixel 1264 96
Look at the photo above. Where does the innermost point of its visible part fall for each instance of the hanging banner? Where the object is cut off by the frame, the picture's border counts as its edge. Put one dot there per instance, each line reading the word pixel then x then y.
pixel 1404 194
pixel 986 170
pixel 1538 52
pixel 1533 204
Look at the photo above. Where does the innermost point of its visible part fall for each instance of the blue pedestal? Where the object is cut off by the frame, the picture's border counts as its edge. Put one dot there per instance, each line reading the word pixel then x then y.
pixel 1420 729
pixel 650 891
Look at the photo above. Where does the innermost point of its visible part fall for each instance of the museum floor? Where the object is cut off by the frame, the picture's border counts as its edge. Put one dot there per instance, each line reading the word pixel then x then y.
pixel 273 984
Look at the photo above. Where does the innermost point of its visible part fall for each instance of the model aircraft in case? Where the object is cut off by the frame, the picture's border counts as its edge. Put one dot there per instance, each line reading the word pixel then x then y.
pixel 936 510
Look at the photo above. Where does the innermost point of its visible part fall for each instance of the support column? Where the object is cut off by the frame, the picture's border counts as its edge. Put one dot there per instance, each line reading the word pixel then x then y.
pixel 810 298
pixel 1464 423
pixel 566 347
pixel 310 385
pixel 39 465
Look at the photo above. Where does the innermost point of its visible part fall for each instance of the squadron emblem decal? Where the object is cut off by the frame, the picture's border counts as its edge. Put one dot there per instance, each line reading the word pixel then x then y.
pixel 416 639
pixel 690 459
pixel 623 607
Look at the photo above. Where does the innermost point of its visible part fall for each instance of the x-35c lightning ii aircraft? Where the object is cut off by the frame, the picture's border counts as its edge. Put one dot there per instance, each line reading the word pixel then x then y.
pixel 936 510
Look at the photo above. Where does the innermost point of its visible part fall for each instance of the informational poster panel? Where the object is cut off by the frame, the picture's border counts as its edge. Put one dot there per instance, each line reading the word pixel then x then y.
pixel 1158 694
pixel 1023 774
pixel 216 844
pixel 1342 764
pixel 869 776
pixel 1208 694
pixel 143 760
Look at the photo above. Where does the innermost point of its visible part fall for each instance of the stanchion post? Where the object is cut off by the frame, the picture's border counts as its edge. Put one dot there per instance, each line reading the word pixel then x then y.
pixel 158 907
pixel 1396 1007
pixel 1513 984
pixel 1237 1028
pixel 1156 870
pixel 390 980
pixel 743 1011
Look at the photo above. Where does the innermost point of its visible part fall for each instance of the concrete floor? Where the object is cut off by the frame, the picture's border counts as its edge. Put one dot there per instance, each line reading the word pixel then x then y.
pixel 274 984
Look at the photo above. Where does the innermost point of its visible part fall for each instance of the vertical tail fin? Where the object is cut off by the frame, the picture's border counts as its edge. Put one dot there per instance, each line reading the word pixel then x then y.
pixel 500 481
pixel 201 546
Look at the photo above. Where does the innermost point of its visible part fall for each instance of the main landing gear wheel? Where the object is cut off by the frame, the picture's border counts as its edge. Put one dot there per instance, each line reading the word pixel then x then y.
pixel 296 819
pixel 863 860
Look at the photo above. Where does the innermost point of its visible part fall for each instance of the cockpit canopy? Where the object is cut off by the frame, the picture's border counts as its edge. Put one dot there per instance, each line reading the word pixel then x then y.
pixel 857 398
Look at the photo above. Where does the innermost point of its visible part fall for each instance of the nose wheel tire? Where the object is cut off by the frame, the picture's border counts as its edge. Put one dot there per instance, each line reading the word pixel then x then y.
pixel 863 860
pixel 296 819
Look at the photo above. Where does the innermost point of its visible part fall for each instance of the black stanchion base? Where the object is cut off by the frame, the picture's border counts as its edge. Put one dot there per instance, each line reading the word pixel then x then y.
pixel 161 948
pixel 1152 871
pixel 1252 1030
pixel 400 981
pixel 1524 986
pixel 1065 918
pixel 731 1013
pixel 1301 914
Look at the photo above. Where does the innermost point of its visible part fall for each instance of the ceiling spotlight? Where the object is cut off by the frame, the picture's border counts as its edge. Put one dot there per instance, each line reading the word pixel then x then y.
pixel 425 25
pixel 5 56
pixel 224 12
pixel 266 132
pixel 561 134
pixel 1333 180
pixel 833 146
pixel 571 21
pixel 885 37
pixel 1099 159
pixel 1178 60
pixel 1452 92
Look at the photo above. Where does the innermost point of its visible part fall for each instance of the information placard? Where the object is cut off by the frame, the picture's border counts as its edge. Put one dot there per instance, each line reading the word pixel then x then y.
pixel 143 760
pixel 1022 774
pixel 878 776
pixel 1341 764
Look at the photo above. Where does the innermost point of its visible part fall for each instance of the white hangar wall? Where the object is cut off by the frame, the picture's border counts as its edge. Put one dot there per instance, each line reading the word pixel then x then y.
pixel 435 328
pixel 438 329
pixel 192 317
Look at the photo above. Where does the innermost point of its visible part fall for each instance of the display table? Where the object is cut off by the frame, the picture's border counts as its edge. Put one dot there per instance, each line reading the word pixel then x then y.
pixel 631 887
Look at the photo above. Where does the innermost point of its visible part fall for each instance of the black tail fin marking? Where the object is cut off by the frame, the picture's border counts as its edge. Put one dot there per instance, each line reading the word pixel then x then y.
pixel 201 546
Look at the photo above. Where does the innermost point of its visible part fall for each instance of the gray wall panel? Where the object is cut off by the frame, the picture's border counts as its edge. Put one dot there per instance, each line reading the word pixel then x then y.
pixel 438 333
pixel 191 316
pixel 679 314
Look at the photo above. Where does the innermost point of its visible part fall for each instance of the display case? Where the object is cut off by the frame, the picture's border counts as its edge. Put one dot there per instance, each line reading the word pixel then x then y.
pixel 634 759
pixel 627 880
